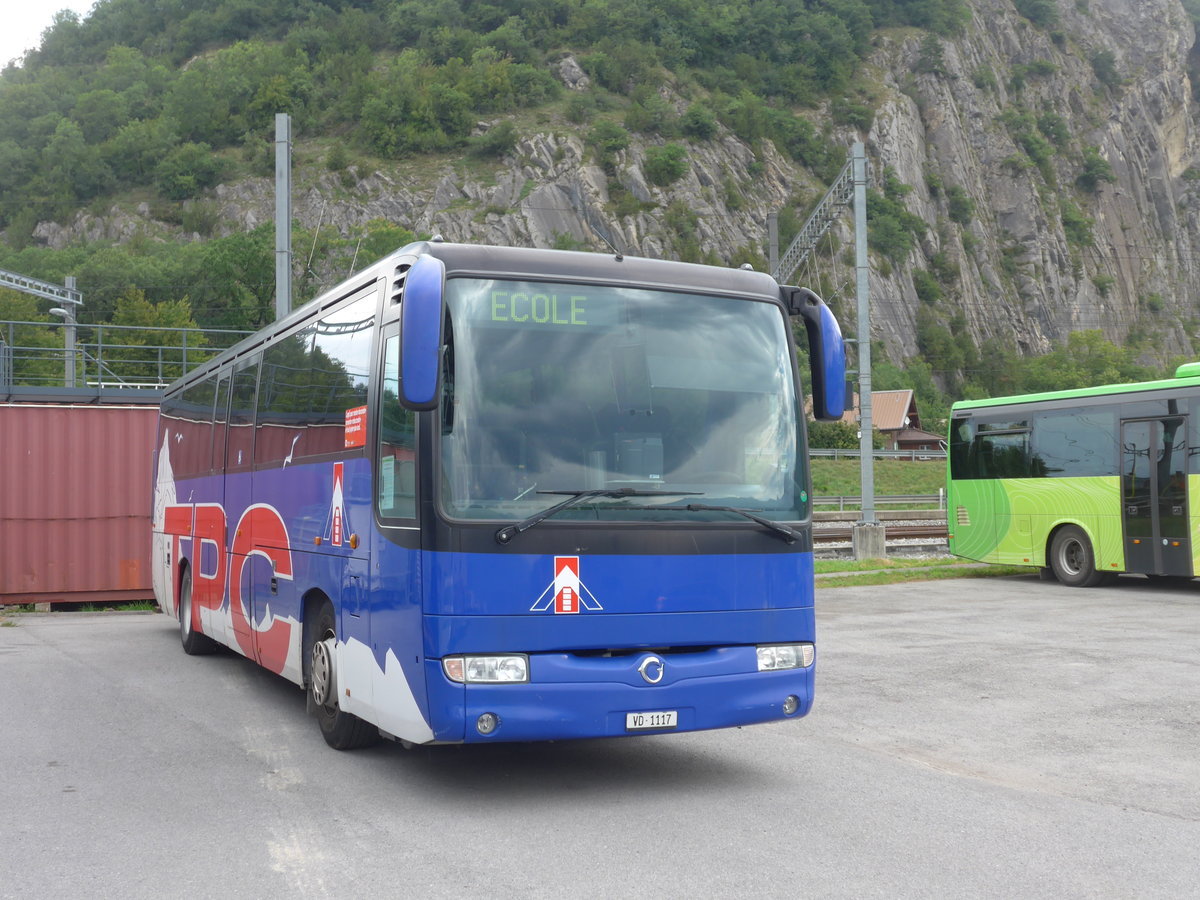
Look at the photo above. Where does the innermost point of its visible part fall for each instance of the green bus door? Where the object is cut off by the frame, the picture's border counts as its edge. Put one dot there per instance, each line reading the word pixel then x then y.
pixel 1154 496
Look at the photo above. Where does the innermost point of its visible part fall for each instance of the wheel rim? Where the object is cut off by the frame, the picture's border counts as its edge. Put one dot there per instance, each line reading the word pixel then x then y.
pixel 185 607
pixel 1072 556
pixel 322 674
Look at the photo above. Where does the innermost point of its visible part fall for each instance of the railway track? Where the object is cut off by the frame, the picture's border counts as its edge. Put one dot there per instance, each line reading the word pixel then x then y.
pixel 931 531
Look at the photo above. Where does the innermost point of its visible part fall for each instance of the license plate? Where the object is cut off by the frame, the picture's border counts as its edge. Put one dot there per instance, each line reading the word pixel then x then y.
pixel 647 721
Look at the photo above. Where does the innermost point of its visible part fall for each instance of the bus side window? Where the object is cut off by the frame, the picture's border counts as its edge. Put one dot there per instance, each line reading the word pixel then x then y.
pixel 397 491
pixel 239 446
pixel 995 455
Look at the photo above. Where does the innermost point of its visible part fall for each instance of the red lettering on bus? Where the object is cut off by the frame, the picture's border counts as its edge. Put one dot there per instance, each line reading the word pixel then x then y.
pixel 260 532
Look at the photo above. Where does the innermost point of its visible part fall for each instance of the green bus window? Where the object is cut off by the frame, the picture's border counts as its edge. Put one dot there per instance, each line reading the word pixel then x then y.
pixel 1075 443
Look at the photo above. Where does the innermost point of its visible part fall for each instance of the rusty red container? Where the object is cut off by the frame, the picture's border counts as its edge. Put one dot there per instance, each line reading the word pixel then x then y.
pixel 75 498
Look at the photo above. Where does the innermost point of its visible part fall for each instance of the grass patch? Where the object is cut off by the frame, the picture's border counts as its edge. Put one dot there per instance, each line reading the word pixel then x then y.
pixel 840 477
pixel 119 606
pixel 927 574
pixel 826 566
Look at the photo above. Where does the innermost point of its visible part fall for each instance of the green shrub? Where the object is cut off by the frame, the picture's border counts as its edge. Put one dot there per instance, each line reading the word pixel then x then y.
pixel 498 140
pixel 1055 128
pixel 608 138
pixel 652 115
pixel 1103 284
pixel 1104 65
pixel 931 60
pixel 187 170
pixel 1076 225
pixel 1042 13
pixel 1095 170
pixel 846 112
pixel 700 122
pixel 961 206
pixel 666 164
pixel 926 285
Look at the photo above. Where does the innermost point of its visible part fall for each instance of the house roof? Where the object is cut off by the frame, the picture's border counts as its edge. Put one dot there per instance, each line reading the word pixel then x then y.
pixel 916 434
pixel 888 410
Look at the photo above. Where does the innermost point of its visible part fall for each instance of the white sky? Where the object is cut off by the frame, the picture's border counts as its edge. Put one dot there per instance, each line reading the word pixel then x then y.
pixel 23 21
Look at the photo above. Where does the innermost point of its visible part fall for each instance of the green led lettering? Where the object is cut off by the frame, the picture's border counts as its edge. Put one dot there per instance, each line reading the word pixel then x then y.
pixel 519 318
pixel 543 309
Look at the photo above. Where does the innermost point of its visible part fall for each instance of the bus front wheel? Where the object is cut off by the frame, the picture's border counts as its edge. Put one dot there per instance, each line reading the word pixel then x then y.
pixel 1072 558
pixel 341 730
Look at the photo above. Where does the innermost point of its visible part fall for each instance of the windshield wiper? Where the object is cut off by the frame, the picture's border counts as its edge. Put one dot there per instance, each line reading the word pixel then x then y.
pixel 508 532
pixel 780 529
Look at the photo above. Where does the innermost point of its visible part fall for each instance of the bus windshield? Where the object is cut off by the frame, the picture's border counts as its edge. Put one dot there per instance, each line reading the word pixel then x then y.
pixel 575 387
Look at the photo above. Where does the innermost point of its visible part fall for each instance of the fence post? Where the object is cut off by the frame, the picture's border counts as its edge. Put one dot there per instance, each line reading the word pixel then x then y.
pixel 184 363
pixel 100 357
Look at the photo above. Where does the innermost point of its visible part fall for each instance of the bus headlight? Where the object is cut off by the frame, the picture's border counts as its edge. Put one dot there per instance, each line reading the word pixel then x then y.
pixel 785 656
pixel 510 668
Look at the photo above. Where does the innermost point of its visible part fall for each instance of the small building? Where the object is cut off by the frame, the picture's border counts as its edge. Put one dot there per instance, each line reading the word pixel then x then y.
pixel 894 415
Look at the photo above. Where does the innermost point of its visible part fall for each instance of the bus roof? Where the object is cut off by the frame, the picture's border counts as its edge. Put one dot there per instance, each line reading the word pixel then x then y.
pixel 1187 375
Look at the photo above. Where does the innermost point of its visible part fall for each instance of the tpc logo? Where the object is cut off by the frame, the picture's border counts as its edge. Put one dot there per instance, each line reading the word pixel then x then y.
pixel 566 593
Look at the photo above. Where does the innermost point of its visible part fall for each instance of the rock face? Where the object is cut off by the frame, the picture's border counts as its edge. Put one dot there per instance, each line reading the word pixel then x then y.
pixel 1026 277
pixel 1006 115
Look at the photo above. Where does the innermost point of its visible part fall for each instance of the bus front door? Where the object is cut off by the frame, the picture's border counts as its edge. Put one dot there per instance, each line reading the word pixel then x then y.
pixel 1154 496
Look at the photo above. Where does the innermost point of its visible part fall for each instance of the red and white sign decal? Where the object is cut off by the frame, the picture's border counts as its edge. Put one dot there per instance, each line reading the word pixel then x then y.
pixel 335 524
pixel 566 584
pixel 356 427
pixel 566 593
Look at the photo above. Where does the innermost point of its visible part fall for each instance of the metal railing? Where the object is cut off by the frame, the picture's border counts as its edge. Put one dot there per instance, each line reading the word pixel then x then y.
pixel 914 455
pixel 937 500
pixel 34 354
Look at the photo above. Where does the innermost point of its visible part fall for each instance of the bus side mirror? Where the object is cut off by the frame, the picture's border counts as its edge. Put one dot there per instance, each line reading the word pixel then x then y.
pixel 421 316
pixel 826 352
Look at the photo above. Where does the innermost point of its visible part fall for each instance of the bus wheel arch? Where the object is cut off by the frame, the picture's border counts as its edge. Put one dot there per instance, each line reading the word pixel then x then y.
pixel 194 643
pixel 1072 557
pixel 341 730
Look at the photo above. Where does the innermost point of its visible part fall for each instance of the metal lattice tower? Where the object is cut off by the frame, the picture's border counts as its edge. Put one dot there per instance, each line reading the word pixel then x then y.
pixel 839 196
pixel 40 288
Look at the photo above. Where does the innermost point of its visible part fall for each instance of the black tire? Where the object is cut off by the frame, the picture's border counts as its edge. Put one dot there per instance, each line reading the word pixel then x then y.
pixel 194 643
pixel 1072 558
pixel 341 730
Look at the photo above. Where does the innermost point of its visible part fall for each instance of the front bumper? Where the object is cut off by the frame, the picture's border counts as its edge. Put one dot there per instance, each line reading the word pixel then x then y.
pixel 579 696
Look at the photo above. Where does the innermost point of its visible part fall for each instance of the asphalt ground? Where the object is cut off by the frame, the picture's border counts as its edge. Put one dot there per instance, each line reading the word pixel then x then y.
pixel 970 738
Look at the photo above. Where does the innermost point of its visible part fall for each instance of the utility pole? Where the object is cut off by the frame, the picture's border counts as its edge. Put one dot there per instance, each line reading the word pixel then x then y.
pixel 849 189
pixel 773 241
pixel 283 215
pixel 67 313
pixel 868 536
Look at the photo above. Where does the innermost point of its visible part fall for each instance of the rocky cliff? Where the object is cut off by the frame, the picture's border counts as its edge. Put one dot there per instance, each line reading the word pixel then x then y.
pixel 1043 255
pixel 1054 164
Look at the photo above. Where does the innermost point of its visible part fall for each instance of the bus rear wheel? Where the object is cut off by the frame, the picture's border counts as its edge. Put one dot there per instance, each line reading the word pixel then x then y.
pixel 1072 558
pixel 341 730
pixel 194 643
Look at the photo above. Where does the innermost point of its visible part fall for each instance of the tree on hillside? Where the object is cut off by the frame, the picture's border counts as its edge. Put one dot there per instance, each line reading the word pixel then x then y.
pixel 152 350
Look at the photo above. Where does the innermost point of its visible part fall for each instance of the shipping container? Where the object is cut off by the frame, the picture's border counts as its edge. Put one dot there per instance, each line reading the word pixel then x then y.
pixel 75 498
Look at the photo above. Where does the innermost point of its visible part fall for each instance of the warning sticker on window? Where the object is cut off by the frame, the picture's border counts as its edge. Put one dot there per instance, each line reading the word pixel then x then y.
pixel 356 427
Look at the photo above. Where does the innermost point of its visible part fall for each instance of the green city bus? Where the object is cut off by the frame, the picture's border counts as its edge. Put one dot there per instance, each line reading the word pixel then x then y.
pixel 1086 483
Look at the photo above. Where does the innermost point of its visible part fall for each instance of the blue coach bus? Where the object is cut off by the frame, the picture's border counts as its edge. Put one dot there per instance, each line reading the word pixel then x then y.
pixel 495 494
